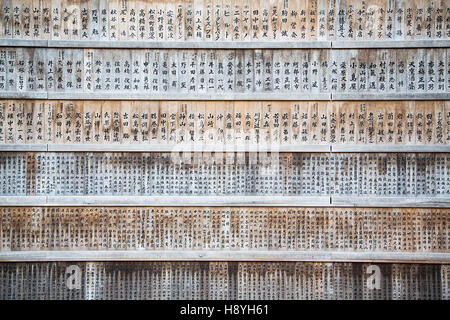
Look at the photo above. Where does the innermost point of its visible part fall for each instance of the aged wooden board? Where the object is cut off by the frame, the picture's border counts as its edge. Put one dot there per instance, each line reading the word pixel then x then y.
pixel 108 99
pixel 223 280
pixel 373 230
pixel 215 174
pixel 314 73
pixel 216 21
pixel 267 200
pixel 206 201
pixel 224 255
pixel 302 123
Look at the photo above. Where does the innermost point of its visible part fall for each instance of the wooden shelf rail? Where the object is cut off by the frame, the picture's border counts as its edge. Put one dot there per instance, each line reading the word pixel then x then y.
pixel 254 96
pixel 136 44
pixel 227 201
pixel 225 255
pixel 333 148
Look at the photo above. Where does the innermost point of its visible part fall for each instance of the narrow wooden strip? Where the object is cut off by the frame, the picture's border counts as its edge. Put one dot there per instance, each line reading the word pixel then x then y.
pixel 179 201
pixel 178 148
pixel 234 201
pixel 23 43
pixel 348 44
pixel 23 95
pixel 251 96
pixel 189 44
pixel 390 96
pixel 130 44
pixel 222 255
pixel 389 148
pixel 223 148
pixel 391 202
pixel 124 96
pixel 23 147
pixel 23 201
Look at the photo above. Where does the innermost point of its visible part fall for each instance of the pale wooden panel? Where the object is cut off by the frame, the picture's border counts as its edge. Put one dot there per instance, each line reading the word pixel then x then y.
pixel 224 280
pixel 398 126
pixel 218 21
pixel 385 175
pixel 220 256
pixel 319 231
pixel 315 73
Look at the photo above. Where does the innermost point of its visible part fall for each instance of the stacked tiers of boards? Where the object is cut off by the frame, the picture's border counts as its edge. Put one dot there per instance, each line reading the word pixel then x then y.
pixel 205 149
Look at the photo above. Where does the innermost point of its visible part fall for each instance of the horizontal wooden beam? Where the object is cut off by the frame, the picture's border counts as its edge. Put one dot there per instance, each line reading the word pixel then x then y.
pixel 388 148
pixel 191 44
pixel 23 147
pixel 162 148
pixel 390 96
pixel 227 201
pixel 224 255
pixel 251 96
pixel 396 202
pixel 188 148
pixel 23 201
pixel 132 44
pixel 178 201
pixel 381 148
pixel 381 44
pixel 23 95
pixel 23 43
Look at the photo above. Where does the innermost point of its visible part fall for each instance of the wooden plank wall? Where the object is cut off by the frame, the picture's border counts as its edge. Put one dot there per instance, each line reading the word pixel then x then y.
pixel 202 174
pixel 223 280
pixel 220 228
pixel 322 74
pixel 225 123
pixel 205 149
pixel 212 20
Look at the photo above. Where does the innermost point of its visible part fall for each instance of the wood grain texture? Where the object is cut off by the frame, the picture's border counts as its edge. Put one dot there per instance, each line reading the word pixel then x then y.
pixel 223 280
pixel 224 149
pixel 286 232
pixel 301 125
pixel 224 21
pixel 184 173
pixel 222 255
pixel 66 67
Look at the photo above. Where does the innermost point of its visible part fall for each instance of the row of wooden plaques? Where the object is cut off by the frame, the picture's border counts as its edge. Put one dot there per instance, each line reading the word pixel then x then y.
pixel 222 123
pixel 211 174
pixel 221 228
pixel 223 280
pixel 217 20
pixel 206 72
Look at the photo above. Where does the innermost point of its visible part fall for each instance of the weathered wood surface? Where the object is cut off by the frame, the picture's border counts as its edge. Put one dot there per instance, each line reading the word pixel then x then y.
pixel 211 74
pixel 319 44
pixel 198 201
pixel 225 125
pixel 224 21
pixel 368 230
pixel 229 200
pixel 70 147
pixel 215 174
pixel 224 255
pixel 223 280
pixel 395 202
pixel 143 44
